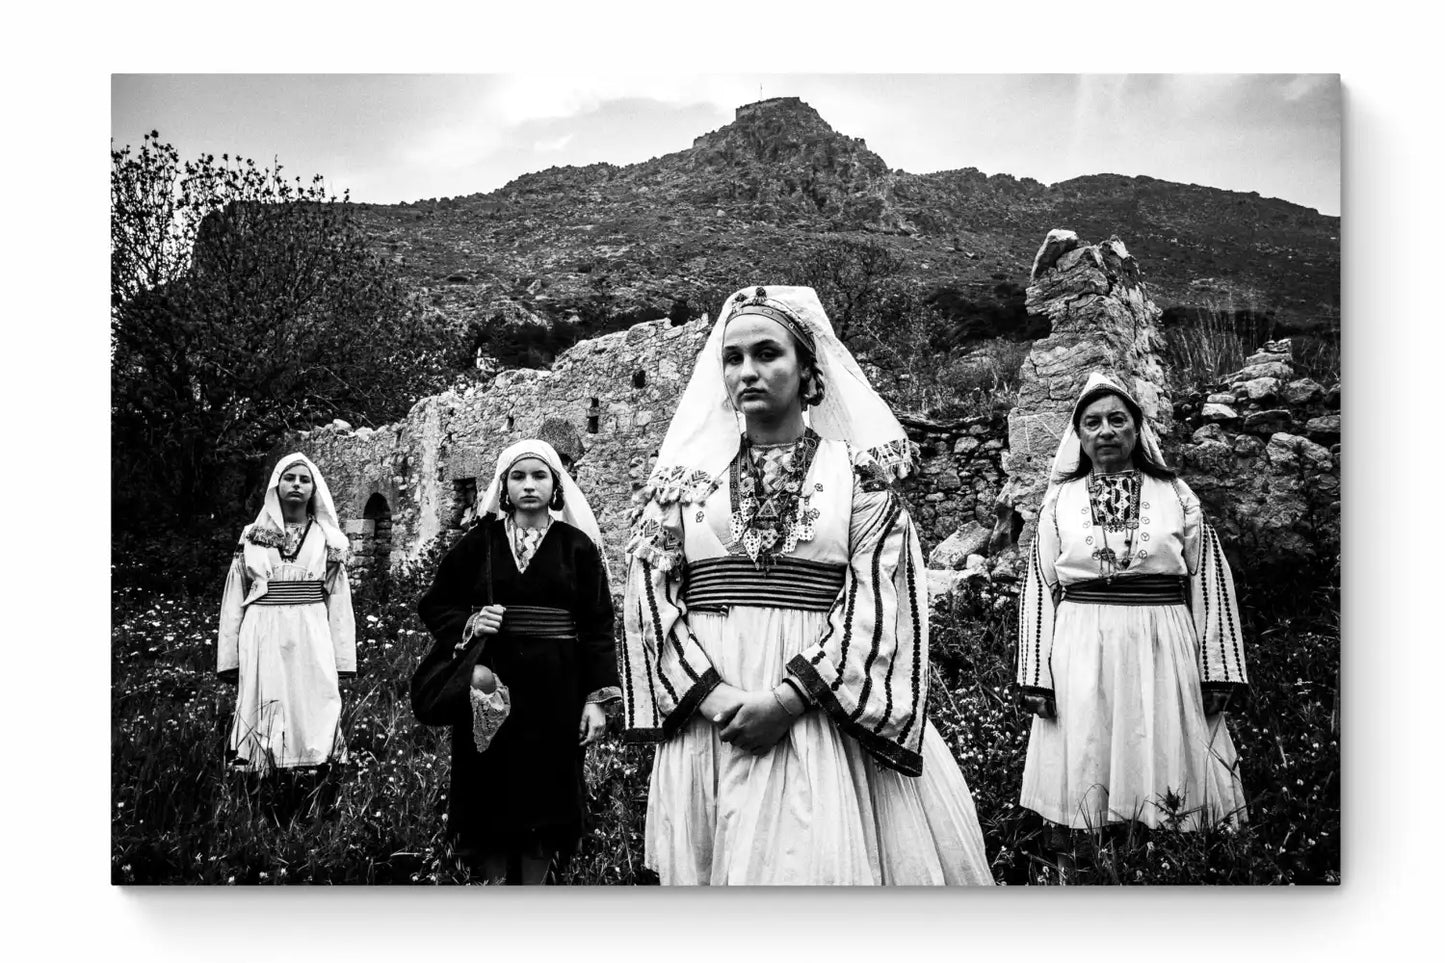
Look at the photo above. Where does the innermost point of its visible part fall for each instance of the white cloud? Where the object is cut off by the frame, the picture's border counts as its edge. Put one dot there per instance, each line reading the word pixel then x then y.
pixel 488 124
pixel 555 144
pixel 523 97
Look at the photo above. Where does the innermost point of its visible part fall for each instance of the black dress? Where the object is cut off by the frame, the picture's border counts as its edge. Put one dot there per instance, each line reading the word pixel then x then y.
pixel 526 791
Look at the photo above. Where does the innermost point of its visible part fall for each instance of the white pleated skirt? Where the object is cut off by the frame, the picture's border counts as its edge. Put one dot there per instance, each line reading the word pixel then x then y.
pixel 288 700
pixel 814 810
pixel 1130 741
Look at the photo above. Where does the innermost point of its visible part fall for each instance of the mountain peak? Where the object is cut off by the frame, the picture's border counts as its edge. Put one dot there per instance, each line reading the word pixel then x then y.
pixel 784 129
pixel 794 107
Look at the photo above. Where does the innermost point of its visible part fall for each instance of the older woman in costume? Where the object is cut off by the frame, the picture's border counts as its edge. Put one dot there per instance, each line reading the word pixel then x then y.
pixel 1129 638
pixel 523 663
pixel 777 626
pixel 286 626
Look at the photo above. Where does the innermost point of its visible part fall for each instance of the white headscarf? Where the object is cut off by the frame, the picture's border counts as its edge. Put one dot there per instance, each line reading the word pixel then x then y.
pixel 575 511
pixel 268 530
pixel 1066 459
pixel 705 431
pixel 270 520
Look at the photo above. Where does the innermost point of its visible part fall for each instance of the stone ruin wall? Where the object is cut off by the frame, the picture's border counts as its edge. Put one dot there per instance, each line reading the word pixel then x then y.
pixel 1263 454
pixel 400 486
pixel 1254 449
pixel 616 391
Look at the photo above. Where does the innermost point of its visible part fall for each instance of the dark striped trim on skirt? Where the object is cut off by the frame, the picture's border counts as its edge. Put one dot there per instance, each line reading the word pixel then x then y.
pixel 1129 590
pixel 539 621
pixel 292 593
pixel 788 583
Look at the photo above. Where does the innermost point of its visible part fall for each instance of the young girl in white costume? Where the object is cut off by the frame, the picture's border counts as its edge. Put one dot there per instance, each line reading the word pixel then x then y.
pixel 287 632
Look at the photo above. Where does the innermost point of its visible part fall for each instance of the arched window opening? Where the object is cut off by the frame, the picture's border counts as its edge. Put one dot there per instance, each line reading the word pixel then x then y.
pixel 371 547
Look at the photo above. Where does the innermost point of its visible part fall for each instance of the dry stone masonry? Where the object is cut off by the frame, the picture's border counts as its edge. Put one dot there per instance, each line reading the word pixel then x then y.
pixel 1262 451
pixel 612 396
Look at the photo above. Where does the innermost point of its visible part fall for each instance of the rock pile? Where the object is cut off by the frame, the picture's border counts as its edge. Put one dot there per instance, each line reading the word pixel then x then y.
pixel 1262 451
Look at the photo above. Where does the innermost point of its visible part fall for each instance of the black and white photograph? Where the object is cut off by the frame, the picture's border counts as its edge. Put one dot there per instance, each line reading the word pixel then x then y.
pixel 695 480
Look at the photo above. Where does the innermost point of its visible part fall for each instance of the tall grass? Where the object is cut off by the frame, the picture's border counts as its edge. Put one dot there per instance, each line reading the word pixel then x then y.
pixel 1205 344
pixel 180 816
pixel 1202 351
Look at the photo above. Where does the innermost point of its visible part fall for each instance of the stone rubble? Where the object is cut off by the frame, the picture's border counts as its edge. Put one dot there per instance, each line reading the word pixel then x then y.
pixel 1266 478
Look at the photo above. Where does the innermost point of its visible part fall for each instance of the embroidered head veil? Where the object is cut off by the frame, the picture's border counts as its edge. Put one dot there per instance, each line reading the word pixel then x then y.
pixel 575 511
pixel 1066 459
pixel 705 430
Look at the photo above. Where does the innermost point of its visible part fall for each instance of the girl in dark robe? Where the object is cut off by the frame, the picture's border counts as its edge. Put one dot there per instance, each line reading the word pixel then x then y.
pixel 523 621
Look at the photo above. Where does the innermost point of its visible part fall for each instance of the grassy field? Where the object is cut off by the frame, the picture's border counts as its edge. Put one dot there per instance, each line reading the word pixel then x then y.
pixel 179 816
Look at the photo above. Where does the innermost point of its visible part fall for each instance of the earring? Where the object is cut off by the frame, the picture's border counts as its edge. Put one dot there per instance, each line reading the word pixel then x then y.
pixel 504 501
pixel 556 501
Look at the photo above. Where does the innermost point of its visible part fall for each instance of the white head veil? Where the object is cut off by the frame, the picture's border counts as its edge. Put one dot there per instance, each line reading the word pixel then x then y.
pixel 705 431
pixel 1066 459
pixel 268 531
pixel 270 522
pixel 575 511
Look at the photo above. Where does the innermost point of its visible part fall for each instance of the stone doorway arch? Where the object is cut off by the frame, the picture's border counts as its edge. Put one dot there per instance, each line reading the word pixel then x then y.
pixel 371 543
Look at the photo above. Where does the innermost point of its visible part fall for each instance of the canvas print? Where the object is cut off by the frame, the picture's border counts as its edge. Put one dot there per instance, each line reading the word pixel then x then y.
pixel 725 480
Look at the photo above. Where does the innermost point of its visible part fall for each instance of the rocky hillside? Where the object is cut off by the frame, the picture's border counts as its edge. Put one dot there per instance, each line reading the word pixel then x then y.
pixel 594 248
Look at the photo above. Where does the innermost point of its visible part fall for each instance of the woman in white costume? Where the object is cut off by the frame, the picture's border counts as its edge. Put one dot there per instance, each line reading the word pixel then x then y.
pixel 1129 636
pixel 287 632
pixel 777 626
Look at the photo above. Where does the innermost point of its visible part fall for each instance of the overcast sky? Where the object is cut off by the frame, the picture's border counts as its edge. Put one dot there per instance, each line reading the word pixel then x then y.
pixel 396 138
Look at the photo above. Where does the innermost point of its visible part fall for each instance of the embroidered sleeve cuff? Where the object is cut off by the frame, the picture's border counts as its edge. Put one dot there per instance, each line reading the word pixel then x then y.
pixel 894 755
pixel 605 695
pixel 679 716
pixel 689 702
pixel 1224 686
pixel 1232 692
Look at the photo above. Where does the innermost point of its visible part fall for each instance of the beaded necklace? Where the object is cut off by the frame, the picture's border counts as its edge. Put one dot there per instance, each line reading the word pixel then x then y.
pixel 769 520
pixel 1115 497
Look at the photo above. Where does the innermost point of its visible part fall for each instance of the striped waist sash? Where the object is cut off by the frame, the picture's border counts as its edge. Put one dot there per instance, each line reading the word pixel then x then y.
pixel 292 593
pixel 1130 590
pixel 789 583
pixel 539 621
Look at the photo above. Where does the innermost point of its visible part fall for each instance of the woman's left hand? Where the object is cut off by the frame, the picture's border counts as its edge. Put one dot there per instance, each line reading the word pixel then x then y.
pixel 758 724
pixel 593 724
